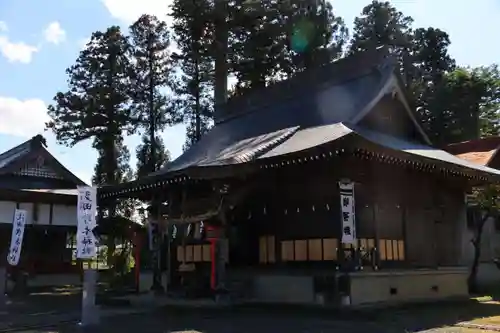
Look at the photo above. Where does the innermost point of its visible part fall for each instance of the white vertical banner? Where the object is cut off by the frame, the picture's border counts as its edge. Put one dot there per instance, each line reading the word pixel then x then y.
pixel 16 241
pixel 86 247
pixel 347 213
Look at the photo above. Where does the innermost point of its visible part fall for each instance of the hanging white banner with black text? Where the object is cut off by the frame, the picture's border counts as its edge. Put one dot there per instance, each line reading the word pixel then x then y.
pixel 86 247
pixel 16 241
pixel 347 213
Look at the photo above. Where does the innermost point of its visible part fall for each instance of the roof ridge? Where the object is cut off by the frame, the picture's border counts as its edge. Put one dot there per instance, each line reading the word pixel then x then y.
pixel 488 138
pixel 264 147
pixel 339 71
pixel 7 156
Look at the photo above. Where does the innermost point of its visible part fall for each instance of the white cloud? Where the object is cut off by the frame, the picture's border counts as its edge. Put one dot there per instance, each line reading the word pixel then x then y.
pixel 3 27
pixel 22 118
pixel 128 11
pixel 16 51
pixel 54 33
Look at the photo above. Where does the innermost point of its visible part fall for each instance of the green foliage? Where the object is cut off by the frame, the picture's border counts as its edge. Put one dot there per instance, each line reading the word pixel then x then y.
pixel 381 24
pixel 272 40
pixel 194 32
pixel 452 104
pixel 490 103
pixel 463 106
pixel 487 198
pixel 152 74
pixel 95 105
pixel 144 153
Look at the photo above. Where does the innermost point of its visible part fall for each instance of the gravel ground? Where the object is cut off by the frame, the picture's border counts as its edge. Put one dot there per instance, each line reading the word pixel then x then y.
pixel 241 322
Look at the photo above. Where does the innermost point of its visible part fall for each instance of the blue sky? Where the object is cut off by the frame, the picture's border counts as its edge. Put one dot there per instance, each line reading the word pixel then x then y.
pixel 40 39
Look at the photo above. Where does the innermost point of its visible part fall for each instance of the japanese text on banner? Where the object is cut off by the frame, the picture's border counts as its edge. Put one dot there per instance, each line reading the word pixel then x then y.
pixel 347 212
pixel 86 247
pixel 16 241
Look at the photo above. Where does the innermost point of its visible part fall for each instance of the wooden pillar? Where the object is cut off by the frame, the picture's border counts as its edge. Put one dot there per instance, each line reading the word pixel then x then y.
pixel 220 257
pixel 155 251
pixel 375 215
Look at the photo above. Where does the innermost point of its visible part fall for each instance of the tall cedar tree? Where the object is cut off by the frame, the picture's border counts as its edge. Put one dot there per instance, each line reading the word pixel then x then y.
pixel 271 40
pixel 431 63
pixel 123 207
pixel 194 34
pixel 257 40
pixel 96 103
pixel 150 39
pixel 316 35
pixel 143 154
pixel 381 24
pixel 122 174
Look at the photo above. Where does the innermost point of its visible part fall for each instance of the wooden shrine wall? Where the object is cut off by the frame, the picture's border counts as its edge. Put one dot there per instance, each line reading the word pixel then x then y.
pixel 412 218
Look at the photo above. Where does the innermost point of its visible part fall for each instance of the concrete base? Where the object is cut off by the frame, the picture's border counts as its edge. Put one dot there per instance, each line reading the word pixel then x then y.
pixel 368 287
pixel 408 286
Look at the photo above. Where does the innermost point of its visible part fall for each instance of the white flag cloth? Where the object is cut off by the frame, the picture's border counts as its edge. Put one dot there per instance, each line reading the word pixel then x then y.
pixel 86 247
pixel 347 213
pixel 16 241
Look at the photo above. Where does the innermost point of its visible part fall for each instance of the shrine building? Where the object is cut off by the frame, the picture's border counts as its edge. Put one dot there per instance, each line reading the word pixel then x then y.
pixel 319 189
pixel 34 180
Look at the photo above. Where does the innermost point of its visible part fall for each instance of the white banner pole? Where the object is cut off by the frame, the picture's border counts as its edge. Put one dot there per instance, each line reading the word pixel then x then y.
pixel 86 249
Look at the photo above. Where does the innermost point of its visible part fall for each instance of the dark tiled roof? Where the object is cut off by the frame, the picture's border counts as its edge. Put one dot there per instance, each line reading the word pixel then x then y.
pixel 15 153
pixel 10 160
pixel 313 109
pixel 339 95
pixel 420 150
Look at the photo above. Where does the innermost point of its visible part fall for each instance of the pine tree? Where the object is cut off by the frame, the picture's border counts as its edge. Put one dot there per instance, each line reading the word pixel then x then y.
pixel 194 34
pixel 152 74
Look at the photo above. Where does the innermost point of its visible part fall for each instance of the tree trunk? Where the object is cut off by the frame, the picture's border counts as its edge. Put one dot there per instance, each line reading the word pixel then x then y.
pixel 221 42
pixel 476 242
pixel 197 110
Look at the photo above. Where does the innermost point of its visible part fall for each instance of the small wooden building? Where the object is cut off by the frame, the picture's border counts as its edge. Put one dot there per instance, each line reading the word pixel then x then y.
pixel 32 179
pixel 290 172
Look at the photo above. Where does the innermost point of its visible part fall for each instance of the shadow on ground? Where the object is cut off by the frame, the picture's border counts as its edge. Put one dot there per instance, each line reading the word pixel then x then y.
pixel 436 317
pixel 290 319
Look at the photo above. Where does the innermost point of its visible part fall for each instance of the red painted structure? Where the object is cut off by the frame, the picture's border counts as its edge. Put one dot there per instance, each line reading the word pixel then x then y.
pixel 212 235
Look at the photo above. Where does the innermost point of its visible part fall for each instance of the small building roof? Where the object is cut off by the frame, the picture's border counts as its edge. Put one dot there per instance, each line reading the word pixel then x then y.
pixel 480 151
pixel 14 159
